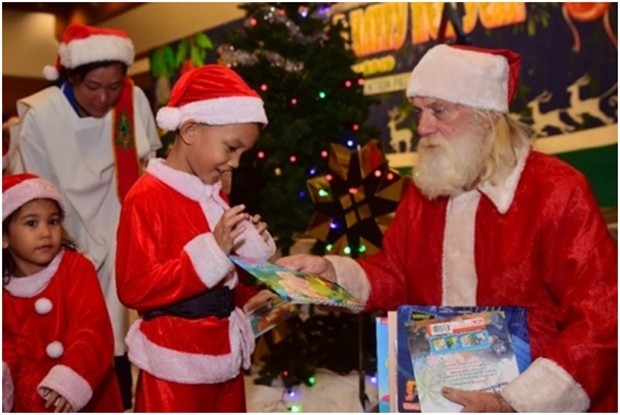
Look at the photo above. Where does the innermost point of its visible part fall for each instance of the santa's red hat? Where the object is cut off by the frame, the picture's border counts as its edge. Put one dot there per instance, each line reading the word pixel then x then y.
pixel 19 189
pixel 213 95
pixel 472 76
pixel 83 44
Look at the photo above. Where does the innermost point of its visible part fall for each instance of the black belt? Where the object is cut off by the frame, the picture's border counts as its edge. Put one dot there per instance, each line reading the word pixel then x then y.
pixel 218 302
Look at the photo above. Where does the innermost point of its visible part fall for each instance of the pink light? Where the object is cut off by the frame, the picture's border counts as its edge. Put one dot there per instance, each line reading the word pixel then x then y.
pixel 261 154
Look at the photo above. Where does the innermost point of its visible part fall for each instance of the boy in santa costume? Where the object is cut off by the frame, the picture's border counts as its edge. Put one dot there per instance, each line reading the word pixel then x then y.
pixel 57 343
pixel 490 222
pixel 192 340
pixel 90 137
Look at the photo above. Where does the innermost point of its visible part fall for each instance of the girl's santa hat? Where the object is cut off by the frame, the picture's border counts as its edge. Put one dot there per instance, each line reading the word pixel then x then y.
pixel 19 189
pixel 467 75
pixel 83 44
pixel 213 95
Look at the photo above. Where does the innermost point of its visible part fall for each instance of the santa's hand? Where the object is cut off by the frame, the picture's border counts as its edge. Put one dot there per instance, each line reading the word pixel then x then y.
pixel 310 264
pixel 229 227
pixel 53 398
pixel 473 401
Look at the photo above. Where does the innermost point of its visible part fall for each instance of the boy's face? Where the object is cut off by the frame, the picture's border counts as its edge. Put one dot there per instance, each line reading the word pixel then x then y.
pixel 214 151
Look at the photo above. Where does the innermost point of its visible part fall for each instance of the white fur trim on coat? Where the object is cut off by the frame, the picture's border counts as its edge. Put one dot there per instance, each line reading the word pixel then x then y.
pixel 8 389
pixel 217 111
pixel 545 387
pixel 193 368
pixel 96 48
pixel 35 283
pixel 209 261
pixel 68 383
pixel 466 77
pixel 351 276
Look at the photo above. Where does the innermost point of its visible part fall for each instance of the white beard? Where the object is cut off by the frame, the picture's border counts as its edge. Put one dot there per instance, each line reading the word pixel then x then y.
pixel 447 166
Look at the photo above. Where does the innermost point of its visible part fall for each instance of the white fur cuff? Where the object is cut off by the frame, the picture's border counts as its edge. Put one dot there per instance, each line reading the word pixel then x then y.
pixel 351 276
pixel 546 387
pixel 68 383
pixel 209 261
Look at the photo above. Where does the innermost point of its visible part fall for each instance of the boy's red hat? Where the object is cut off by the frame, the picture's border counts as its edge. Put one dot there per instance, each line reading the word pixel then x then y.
pixel 476 77
pixel 19 189
pixel 83 44
pixel 213 95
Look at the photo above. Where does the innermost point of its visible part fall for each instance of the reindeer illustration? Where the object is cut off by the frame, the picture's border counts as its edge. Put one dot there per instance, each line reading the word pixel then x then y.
pixel 591 106
pixel 398 136
pixel 541 120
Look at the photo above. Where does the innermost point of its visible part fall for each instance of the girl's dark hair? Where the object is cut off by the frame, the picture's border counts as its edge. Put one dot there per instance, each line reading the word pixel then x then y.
pixel 77 75
pixel 8 265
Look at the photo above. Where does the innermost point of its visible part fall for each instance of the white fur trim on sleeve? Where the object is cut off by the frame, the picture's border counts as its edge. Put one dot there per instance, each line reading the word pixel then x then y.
pixel 210 262
pixel 8 389
pixel 546 387
pixel 351 276
pixel 68 383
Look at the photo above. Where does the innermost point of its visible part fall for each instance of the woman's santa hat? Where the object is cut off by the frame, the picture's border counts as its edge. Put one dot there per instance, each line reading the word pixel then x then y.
pixel 213 95
pixel 467 75
pixel 83 44
pixel 19 189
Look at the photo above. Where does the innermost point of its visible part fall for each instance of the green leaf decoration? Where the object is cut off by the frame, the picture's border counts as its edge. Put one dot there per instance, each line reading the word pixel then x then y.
pixel 204 41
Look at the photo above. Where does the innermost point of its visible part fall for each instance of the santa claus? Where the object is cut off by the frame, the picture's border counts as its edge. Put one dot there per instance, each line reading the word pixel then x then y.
pixel 490 222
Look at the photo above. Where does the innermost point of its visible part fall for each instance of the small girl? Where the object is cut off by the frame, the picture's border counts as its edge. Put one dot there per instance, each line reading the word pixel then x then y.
pixel 57 344
pixel 175 234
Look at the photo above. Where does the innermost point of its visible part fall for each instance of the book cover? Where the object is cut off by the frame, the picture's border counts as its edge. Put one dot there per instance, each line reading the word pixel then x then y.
pixel 295 286
pixel 383 380
pixel 474 348
pixel 270 314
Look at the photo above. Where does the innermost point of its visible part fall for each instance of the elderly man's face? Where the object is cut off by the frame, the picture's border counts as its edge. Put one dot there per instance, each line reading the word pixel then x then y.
pixel 452 148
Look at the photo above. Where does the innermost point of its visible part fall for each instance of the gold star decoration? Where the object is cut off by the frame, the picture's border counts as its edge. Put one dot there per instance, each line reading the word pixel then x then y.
pixel 355 200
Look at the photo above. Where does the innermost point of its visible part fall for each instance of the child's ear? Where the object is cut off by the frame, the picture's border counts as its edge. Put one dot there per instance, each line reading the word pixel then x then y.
pixel 188 131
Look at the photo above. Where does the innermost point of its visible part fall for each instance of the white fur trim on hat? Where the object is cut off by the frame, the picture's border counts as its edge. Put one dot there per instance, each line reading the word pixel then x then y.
pixel 96 48
pixel 217 111
pixel 466 77
pixel 26 191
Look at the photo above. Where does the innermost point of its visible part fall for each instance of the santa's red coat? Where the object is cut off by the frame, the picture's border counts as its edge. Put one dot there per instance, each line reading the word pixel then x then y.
pixel 539 242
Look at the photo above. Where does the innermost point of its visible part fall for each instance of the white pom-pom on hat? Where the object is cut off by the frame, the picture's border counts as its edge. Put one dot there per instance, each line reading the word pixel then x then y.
pixel 50 73
pixel 43 306
pixel 54 349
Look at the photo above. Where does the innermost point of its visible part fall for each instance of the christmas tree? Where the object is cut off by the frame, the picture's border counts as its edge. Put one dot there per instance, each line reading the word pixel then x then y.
pixel 301 65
